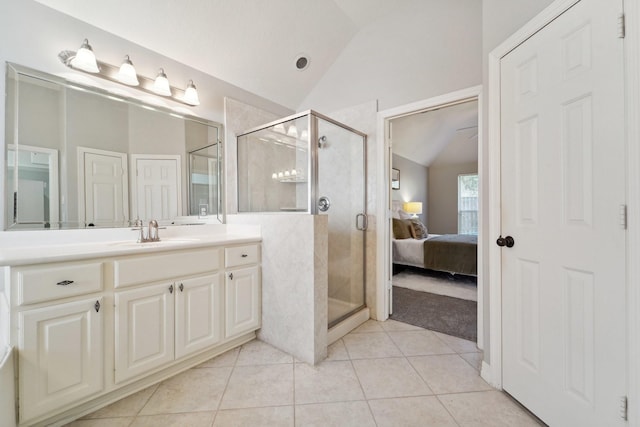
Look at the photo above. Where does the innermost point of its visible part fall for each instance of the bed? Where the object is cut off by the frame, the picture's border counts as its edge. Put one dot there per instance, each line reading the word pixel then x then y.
pixel 453 253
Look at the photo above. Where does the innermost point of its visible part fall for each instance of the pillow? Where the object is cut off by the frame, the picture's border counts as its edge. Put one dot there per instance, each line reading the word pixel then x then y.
pixel 419 229
pixel 399 214
pixel 402 229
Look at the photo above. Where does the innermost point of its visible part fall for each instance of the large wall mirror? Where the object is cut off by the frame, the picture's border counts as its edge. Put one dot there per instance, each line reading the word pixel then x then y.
pixel 80 157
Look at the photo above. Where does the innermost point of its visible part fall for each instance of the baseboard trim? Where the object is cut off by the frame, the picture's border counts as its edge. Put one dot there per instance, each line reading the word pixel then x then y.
pixel 487 374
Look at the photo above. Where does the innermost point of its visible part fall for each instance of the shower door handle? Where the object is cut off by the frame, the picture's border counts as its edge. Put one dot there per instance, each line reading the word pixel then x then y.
pixel 365 222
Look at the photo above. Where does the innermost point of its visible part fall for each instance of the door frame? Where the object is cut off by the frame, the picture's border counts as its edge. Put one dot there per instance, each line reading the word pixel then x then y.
pixel 383 238
pixel 492 371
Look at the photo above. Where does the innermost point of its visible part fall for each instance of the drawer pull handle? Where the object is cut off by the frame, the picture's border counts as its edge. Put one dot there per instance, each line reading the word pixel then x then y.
pixel 171 289
pixel 181 287
pixel 231 276
pixel 97 306
pixel 64 283
pixel 244 255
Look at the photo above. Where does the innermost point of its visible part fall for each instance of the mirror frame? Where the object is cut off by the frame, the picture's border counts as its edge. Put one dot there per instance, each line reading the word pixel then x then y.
pixel 13 71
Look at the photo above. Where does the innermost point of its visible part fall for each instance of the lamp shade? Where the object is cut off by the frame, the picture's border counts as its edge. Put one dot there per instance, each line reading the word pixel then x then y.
pixel 127 73
pixel 161 84
pixel 412 207
pixel 191 94
pixel 85 59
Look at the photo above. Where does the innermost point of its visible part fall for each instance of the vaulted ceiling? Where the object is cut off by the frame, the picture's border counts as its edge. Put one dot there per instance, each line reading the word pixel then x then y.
pixel 443 136
pixel 252 44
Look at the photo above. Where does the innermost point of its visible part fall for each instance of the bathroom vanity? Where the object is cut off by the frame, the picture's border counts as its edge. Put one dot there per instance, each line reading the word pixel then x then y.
pixel 94 322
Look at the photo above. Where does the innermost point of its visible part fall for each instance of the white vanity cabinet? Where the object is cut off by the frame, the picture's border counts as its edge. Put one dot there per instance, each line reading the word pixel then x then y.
pixel 242 289
pixel 199 314
pixel 61 356
pixel 169 318
pixel 143 330
pixel 60 334
pixel 89 331
pixel 156 324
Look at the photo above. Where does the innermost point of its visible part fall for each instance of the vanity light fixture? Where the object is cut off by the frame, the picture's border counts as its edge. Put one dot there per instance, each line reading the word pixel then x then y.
pixel 85 60
pixel 127 73
pixel 191 94
pixel 161 84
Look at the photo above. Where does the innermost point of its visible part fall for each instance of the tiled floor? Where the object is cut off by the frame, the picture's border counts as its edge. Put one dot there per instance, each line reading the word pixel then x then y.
pixel 381 374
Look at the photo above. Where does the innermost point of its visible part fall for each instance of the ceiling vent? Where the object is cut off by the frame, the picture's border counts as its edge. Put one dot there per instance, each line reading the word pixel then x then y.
pixel 302 62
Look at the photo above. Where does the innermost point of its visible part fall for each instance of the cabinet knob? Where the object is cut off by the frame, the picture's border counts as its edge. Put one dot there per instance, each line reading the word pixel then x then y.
pixel 171 289
pixel 64 283
pixel 244 255
pixel 181 287
pixel 231 276
pixel 97 306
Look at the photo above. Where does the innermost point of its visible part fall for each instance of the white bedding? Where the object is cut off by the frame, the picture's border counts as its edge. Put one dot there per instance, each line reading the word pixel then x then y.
pixel 410 251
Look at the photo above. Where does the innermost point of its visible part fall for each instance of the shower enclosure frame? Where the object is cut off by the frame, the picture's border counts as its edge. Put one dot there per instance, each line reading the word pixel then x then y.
pixel 313 183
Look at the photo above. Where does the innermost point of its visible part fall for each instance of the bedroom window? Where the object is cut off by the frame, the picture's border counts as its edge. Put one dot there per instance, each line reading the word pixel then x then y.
pixel 468 204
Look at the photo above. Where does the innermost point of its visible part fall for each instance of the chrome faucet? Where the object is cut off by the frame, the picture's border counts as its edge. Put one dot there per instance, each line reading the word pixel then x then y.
pixel 151 235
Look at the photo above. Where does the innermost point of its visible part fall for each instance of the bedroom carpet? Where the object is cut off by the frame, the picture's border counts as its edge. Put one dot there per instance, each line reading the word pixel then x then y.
pixel 457 286
pixel 451 316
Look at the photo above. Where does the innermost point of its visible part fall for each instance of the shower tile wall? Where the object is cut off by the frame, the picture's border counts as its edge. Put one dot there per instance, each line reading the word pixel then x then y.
pixel 294 282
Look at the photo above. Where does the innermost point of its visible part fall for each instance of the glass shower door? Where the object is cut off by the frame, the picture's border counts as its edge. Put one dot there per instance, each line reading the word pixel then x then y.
pixel 341 194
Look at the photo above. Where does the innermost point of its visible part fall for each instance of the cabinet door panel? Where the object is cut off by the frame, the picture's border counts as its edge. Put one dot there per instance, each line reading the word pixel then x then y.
pixel 242 303
pixel 198 314
pixel 144 330
pixel 61 356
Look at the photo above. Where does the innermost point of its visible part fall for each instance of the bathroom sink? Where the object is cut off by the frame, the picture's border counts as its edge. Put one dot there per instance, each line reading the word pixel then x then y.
pixel 161 243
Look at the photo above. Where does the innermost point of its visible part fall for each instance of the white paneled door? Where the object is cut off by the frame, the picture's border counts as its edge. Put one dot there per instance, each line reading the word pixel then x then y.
pixel 105 201
pixel 158 187
pixel 563 191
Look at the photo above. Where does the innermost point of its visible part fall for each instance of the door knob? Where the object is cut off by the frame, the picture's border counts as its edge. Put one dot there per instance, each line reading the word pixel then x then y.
pixel 509 241
pixel 505 241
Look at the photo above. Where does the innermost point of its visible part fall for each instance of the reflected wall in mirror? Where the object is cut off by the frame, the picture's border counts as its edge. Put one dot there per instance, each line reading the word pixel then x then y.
pixel 79 156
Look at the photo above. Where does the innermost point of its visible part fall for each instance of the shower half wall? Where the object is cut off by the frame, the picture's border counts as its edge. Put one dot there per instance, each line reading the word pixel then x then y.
pixel 309 164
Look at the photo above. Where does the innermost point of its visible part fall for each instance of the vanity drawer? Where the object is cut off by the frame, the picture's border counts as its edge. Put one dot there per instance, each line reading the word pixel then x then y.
pixel 152 268
pixel 241 255
pixel 54 281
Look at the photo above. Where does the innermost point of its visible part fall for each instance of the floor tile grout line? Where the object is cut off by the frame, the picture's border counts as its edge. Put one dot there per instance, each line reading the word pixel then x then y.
pixel 455 420
pixel 226 385
pixel 294 392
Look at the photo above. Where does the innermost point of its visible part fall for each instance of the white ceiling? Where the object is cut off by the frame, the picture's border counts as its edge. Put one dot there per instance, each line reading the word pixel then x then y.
pixel 439 137
pixel 252 44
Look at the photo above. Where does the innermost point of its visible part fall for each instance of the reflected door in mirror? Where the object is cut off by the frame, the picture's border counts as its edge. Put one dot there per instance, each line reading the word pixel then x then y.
pixel 157 187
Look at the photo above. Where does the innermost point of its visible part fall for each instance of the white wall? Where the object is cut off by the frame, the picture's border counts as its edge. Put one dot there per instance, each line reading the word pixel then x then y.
pixel 406 56
pixel 414 182
pixel 443 196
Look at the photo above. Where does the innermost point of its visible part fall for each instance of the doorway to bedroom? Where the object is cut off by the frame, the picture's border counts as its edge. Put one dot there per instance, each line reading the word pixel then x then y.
pixel 434 227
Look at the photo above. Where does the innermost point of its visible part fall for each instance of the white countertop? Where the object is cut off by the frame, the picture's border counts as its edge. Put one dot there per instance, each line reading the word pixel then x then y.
pixel 35 247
